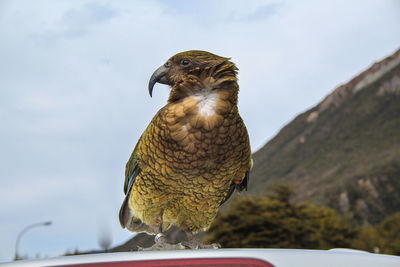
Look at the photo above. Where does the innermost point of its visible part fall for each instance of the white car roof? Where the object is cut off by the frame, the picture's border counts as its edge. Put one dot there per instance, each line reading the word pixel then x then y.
pixel 277 257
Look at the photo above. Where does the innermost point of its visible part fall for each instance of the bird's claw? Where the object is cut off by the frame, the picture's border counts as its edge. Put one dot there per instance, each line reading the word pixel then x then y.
pixel 212 246
pixel 161 243
pixel 199 245
pixel 166 246
pixel 160 238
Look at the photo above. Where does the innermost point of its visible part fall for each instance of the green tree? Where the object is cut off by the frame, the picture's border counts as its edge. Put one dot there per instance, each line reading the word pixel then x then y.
pixel 274 221
pixel 383 237
pixel 367 239
pixel 389 229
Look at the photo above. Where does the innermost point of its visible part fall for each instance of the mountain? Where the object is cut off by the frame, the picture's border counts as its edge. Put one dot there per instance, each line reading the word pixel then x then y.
pixel 345 151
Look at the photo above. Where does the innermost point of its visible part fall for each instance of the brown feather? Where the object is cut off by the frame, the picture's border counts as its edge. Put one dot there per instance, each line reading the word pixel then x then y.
pixel 194 149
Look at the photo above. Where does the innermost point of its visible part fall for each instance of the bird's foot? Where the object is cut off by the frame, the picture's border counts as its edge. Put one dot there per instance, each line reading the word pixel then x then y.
pixel 195 243
pixel 161 243
pixel 211 246
pixel 199 245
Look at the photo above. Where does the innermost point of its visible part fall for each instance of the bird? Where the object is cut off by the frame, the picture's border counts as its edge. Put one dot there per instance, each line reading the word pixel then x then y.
pixel 192 156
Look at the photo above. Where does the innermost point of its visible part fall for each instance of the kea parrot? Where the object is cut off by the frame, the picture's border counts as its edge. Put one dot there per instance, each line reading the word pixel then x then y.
pixel 192 156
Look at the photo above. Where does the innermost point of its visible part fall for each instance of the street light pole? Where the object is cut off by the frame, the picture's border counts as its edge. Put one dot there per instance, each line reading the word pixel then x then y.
pixel 16 257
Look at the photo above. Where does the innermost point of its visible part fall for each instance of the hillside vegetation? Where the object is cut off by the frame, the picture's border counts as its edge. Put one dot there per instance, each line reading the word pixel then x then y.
pixel 345 152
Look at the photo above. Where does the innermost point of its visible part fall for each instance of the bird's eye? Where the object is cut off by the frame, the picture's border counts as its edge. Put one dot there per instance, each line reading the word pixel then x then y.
pixel 185 62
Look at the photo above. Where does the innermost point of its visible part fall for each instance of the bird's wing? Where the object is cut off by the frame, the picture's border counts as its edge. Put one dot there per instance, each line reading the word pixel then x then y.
pixel 238 186
pixel 132 168
pixel 131 171
pixel 240 183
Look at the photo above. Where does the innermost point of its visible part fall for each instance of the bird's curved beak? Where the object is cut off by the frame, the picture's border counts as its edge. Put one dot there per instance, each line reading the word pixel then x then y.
pixel 159 76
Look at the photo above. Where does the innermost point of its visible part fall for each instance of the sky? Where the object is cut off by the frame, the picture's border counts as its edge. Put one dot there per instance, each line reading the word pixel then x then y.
pixel 74 98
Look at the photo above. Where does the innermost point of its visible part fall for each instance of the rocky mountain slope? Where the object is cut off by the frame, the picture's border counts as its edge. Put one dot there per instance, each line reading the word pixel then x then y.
pixel 344 152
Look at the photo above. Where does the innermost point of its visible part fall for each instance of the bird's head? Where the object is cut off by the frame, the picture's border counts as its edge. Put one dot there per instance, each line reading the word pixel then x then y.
pixel 194 65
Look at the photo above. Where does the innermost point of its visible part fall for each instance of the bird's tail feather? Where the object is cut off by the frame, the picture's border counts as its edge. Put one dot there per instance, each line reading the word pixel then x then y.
pixel 127 220
pixel 124 212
